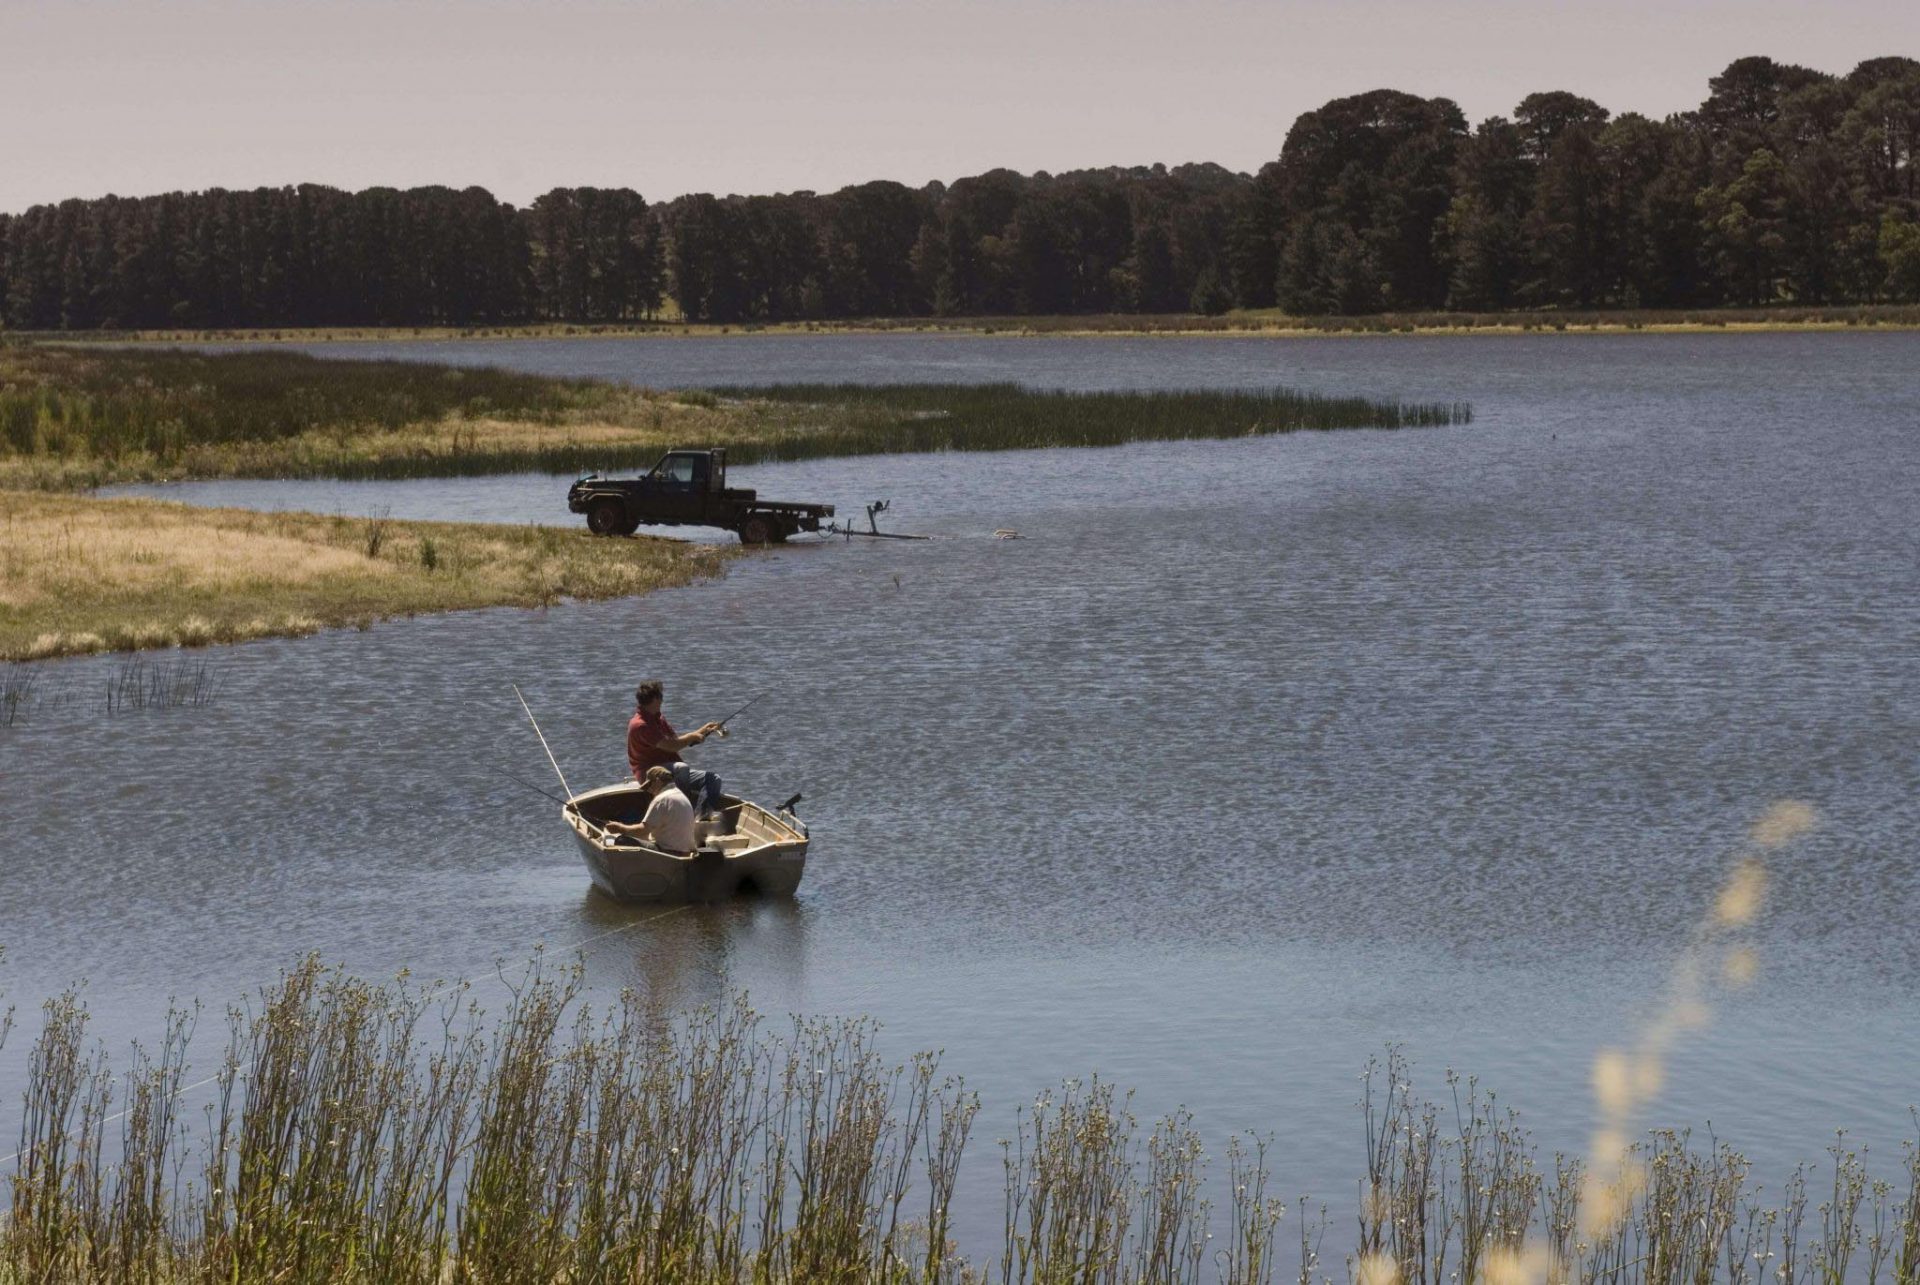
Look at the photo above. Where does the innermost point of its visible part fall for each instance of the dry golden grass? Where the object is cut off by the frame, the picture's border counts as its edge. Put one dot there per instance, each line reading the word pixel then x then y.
pixel 81 575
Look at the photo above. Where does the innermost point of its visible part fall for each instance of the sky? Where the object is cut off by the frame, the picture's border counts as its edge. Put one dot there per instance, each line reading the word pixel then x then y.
pixel 674 96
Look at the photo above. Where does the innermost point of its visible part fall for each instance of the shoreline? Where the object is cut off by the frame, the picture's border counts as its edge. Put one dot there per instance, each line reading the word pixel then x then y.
pixel 1244 325
pixel 82 573
pixel 87 574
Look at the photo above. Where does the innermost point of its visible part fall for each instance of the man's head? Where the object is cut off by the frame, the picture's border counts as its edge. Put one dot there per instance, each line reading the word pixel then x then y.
pixel 647 696
pixel 656 779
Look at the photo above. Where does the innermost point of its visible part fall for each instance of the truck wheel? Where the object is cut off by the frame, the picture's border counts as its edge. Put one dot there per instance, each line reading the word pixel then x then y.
pixel 607 517
pixel 756 530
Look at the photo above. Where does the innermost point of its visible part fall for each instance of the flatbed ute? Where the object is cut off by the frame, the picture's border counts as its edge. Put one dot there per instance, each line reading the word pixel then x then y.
pixel 689 488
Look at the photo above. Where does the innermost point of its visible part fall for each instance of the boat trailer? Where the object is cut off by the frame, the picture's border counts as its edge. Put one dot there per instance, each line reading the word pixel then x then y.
pixel 873 531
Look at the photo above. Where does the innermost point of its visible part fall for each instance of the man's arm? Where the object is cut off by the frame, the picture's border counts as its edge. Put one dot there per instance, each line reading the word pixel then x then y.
pixel 685 739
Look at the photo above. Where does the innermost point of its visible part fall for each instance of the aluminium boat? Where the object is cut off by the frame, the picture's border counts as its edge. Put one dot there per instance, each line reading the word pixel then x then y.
pixel 743 849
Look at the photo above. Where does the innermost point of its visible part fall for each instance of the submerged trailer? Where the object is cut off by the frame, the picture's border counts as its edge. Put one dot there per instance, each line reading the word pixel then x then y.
pixel 689 488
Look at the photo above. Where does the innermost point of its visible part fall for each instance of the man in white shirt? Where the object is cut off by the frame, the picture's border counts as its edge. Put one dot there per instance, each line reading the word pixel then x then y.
pixel 668 824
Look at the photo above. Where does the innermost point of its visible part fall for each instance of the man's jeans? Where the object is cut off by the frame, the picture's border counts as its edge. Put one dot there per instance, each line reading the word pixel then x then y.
pixel 701 788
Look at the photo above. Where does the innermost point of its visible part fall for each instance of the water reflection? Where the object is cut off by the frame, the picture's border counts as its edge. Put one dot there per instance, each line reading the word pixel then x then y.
pixel 698 955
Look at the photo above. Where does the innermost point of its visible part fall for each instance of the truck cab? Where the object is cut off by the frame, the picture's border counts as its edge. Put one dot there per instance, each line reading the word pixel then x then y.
pixel 681 487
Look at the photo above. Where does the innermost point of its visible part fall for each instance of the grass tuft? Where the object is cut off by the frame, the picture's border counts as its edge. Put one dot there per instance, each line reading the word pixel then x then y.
pixel 141 684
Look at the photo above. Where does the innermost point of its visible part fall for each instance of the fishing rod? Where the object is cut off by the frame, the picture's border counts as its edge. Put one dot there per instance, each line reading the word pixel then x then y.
pixel 737 713
pixel 567 803
pixel 543 741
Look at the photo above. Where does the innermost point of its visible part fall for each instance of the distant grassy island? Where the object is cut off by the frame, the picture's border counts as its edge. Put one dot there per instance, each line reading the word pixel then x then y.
pixel 80 574
pixel 1241 322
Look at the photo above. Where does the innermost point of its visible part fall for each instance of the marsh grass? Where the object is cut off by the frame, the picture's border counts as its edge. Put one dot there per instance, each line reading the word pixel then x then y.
pixel 144 684
pixel 109 402
pixel 17 682
pixel 73 417
pixel 998 417
pixel 81 575
pixel 818 421
pixel 367 1133
pixel 81 415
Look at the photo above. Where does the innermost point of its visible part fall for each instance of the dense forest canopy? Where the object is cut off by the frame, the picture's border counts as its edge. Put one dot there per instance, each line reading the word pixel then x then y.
pixel 1787 184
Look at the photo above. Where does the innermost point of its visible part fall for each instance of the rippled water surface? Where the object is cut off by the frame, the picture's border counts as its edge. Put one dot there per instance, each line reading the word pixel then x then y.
pixel 1250 758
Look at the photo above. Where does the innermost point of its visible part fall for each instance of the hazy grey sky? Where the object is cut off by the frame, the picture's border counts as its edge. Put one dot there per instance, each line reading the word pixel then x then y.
pixel 142 96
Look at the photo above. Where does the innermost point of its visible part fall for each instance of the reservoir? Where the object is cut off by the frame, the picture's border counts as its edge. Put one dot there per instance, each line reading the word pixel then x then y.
pixel 1249 759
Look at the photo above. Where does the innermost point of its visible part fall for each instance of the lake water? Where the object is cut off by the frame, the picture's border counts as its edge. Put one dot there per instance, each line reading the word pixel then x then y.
pixel 1248 760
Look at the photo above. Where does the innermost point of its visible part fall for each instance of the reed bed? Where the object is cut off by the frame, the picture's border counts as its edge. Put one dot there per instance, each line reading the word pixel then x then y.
pixel 17 682
pixel 135 684
pixel 393 1133
pixel 142 684
pixel 77 416
pixel 109 402
pixel 74 417
pixel 998 417
pixel 818 421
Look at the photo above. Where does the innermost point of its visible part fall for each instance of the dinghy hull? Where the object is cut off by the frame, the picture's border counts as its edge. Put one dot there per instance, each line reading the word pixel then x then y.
pixel 756 852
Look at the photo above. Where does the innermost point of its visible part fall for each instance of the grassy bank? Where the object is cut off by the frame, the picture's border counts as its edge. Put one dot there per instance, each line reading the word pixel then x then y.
pixel 383 1134
pixel 82 575
pixel 1268 321
pixel 74 417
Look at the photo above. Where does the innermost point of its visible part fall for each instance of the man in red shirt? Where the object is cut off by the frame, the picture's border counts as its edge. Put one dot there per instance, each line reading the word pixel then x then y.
pixel 652 742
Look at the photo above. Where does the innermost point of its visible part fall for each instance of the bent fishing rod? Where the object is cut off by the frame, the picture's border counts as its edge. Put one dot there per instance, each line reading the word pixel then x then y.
pixel 722 733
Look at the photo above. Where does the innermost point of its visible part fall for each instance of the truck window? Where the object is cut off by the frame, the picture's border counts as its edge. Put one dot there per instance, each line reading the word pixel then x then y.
pixel 681 471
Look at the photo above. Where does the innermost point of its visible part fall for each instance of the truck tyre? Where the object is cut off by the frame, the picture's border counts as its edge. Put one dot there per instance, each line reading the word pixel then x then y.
pixel 607 516
pixel 756 530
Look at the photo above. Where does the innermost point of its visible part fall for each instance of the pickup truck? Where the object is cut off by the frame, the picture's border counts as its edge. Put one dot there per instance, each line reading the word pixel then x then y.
pixel 689 488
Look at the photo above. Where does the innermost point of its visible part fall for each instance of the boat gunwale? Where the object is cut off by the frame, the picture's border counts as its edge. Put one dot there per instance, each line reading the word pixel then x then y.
pixel 589 832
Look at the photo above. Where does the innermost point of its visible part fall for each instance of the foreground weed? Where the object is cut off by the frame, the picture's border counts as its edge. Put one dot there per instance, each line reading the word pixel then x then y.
pixel 370 1133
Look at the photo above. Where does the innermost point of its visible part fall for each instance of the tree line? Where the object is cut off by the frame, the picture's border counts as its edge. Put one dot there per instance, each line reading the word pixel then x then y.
pixel 1786 185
